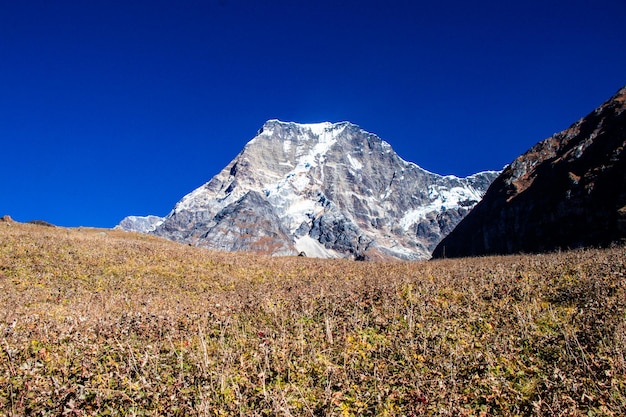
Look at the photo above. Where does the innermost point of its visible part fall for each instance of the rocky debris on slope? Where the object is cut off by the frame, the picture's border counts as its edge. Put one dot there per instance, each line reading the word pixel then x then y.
pixel 565 192
pixel 40 223
pixel 329 190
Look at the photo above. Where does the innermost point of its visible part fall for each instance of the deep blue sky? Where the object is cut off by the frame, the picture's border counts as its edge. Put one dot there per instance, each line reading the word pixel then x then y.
pixel 112 108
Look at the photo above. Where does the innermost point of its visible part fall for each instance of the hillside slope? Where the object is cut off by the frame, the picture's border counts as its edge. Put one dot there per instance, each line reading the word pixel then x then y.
pixel 567 191
pixel 100 322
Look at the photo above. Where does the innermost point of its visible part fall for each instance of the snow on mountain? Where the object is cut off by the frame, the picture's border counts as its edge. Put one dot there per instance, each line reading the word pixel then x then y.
pixel 326 189
pixel 142 224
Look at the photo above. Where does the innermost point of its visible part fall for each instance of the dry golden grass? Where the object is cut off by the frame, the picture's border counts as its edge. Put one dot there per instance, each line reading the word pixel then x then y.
pixel 99 322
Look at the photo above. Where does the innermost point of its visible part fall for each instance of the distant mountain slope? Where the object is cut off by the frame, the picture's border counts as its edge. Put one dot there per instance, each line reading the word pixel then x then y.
pixel 566 191
pixel 330 190
pixel 143 224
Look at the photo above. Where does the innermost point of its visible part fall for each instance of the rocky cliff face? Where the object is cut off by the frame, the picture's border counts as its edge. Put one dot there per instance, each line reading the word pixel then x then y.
pixel 565 192
pixel 329 190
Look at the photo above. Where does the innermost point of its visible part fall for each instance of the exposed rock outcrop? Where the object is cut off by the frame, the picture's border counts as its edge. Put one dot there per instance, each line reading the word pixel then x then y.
pixel 40 223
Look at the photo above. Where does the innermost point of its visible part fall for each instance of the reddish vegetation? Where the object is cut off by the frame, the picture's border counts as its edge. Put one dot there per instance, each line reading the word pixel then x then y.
pixel 110 323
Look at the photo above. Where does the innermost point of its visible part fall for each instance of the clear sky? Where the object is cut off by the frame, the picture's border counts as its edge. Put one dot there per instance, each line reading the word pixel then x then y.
pixel 111 108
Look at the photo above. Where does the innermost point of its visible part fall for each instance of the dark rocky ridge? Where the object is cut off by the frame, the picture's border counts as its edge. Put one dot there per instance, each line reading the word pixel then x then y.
pixel 565 192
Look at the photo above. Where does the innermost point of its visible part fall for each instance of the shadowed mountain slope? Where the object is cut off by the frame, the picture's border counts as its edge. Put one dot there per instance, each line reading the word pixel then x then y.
pixel 567 191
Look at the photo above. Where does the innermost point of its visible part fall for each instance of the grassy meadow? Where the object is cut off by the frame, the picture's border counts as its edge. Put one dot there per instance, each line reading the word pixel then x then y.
pixel 103 322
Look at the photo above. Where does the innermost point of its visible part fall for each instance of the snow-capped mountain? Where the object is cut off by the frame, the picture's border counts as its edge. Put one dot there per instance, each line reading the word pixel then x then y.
pixel 143 224
pixel 326 189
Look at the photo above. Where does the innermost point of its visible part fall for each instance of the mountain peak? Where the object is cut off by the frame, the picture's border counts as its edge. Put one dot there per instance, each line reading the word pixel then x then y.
pixel 312 126
pixel 291 130
pixel 328 189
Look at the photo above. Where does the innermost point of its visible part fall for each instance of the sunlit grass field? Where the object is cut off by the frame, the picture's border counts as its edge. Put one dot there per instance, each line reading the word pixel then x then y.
pixel 103 322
